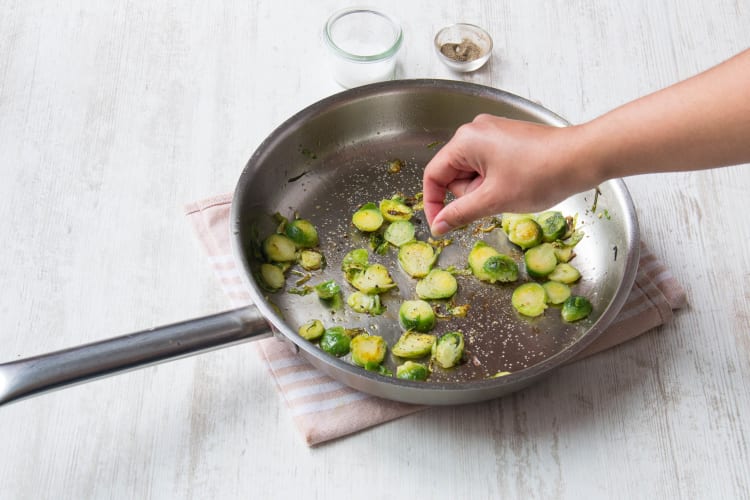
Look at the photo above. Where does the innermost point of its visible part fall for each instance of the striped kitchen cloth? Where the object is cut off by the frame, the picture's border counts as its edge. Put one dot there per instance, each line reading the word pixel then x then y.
pixel 324 409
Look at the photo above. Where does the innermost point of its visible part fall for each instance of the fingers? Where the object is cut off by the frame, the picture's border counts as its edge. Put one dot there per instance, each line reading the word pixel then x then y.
pixel 444 171
pixel 457 169
pixel 460 212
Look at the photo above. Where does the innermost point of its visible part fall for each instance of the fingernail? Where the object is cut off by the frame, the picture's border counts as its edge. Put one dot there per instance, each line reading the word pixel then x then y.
pixel 440 228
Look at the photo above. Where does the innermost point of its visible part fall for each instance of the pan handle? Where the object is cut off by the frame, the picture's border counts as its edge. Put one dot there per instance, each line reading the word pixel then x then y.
pixel 32 376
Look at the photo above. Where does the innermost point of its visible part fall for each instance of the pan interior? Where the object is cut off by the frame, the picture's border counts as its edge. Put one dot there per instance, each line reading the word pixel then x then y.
pixel 325 165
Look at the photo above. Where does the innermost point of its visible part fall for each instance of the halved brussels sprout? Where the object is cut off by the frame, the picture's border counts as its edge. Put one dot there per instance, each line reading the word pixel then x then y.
pixel 354 263
pixel 540 260
pixel 557 292
pixel 413 345
pixel 489 265
pixel 272 277
pixel 368 350
pixel 563 252
pixel 279 248
pixel 365 303
pixel 327 289
pixel 509 219
pixel 448 350
pixel 395 210
pixel 375 279
pixel 378 243
pixel 335 341
pixel 312 330
pixel 564 273
pixel 553 225
pixel 368 218
pixel 416 315
pixel 575 238
pixel 525 233
pixel 311 260
pixel 412 370
pixel 357 258
pixel 529 299
pixel 302 233
pixel 576 308
pixel 399 233
pixel 416 258
pixel 571 222
pixel 438 284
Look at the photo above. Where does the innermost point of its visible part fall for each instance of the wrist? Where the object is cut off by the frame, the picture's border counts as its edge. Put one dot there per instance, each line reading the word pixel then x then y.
pixel 584 159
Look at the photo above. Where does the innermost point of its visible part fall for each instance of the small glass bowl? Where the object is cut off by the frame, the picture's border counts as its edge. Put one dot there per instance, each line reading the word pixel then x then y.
pixel 363 44
pixel 456 44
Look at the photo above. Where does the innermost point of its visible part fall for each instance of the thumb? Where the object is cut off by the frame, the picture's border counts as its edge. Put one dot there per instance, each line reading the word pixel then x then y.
pixel 459 212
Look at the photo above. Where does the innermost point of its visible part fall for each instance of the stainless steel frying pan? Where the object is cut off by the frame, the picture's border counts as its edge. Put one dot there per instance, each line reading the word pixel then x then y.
pixel 322 164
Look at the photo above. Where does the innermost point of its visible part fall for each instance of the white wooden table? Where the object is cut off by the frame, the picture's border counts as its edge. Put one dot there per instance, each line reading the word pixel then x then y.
pixel 113 115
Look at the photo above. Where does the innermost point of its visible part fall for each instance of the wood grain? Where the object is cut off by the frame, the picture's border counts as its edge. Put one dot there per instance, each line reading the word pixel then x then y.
pixel 115 114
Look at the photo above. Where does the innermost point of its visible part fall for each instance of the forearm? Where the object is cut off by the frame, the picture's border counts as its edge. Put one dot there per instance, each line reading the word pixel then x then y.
pixel 699 123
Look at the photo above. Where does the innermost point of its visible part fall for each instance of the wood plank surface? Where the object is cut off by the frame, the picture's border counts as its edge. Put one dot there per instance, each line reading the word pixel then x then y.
pixel 113 115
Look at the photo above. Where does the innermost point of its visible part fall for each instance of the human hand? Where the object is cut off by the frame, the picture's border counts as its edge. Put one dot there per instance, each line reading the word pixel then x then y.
pixel 495 164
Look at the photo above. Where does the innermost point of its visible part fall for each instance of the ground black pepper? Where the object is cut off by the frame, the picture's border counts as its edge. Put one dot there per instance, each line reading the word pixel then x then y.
pixel 464 51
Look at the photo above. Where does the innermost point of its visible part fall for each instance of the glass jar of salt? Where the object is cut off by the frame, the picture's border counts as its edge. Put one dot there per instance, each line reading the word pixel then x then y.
pixel 363 45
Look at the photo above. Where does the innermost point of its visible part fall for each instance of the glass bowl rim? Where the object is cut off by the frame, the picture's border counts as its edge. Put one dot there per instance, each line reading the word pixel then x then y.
pixel 356 57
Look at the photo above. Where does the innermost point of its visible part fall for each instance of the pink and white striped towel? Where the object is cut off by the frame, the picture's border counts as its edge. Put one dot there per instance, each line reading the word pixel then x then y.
pixel 324 409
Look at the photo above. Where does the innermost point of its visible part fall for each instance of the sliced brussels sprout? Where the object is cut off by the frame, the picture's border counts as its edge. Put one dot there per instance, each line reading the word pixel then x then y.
pixel 416 315
pixel 412 370
pixel 575 308
pixel 489 265
pixel 501 268
pixel 378 244
pixel 438 284
pixel 459 311
pixel 413 345
pixel 395 165
pixel 279 248
pixel 357 258
pixel 327 290
pixel 311 260
pixel 272 277
pixel 509 219
pixel 281 221
pixel 525 233
pixel 312 330
pixel 540 260
pixel 365 303
pixel 417 258
pixel 563 252
pixel 368 350
pixel 564 273
pixel 335 341
pixel 557 292
pixel 553 225
pixel 368 218
pixel 379 369
pixel 304 290
pixel 375 279
pixel 399 233
pixel 571 222
pixel 395 210
pixel 302 233
pixel 529 299
pixel 354 263
pixel 448 350
pixel 574 238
